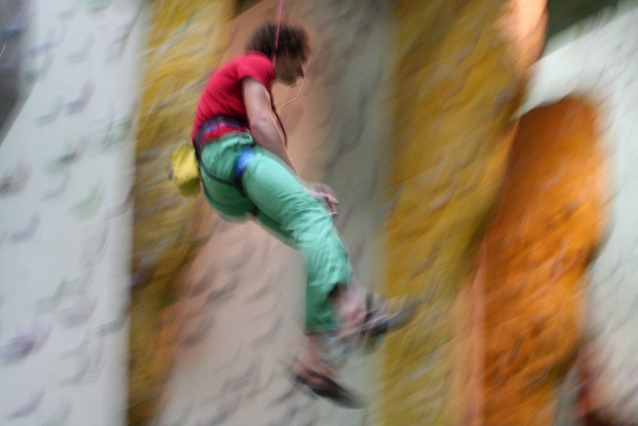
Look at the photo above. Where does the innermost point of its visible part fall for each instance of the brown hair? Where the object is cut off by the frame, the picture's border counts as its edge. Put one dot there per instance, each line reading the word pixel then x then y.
pixel 293 40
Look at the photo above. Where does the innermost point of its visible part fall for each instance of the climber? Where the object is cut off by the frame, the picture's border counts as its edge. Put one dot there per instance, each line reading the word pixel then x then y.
pixel 246 172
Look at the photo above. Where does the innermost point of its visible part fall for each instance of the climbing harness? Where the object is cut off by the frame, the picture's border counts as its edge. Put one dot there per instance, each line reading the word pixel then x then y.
pixel 208 129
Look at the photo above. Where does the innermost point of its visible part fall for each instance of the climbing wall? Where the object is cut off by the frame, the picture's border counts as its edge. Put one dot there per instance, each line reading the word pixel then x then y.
pixel 461 70
pixel 417 163
pixel 530 273
pixel 598 58
pixel 185 41
pixel 66 171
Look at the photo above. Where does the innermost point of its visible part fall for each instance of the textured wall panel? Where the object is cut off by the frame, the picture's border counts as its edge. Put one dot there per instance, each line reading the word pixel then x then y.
pixel 461 70
pixel 184 44
pixel 66 210
pixel 599 58
pixel 548 223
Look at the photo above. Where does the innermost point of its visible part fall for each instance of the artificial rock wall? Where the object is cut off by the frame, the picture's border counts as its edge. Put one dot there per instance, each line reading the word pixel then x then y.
pixel 461 73
pixel 66 167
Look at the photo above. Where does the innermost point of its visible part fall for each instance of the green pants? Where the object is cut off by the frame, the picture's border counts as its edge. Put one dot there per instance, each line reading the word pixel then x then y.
pixel 278 200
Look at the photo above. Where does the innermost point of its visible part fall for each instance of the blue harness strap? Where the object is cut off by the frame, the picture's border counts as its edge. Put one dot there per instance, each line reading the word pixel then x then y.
pixel 246 155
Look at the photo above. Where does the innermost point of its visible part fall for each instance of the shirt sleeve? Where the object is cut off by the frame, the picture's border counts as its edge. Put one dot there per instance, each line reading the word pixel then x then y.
pixel 258 67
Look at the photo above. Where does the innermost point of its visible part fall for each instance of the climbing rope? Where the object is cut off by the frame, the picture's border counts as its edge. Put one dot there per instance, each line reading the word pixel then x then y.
pixel 281 8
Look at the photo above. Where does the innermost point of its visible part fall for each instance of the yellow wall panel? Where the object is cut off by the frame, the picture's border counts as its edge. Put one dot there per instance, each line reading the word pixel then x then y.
pixel 460 77
pixel 185 41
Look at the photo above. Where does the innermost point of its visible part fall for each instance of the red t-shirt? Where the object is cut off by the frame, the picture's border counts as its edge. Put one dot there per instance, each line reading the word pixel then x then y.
pixel 223 96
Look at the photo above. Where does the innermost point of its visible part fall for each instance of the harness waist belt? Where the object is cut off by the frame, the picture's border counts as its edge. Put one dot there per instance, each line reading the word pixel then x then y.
pixel 216 127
